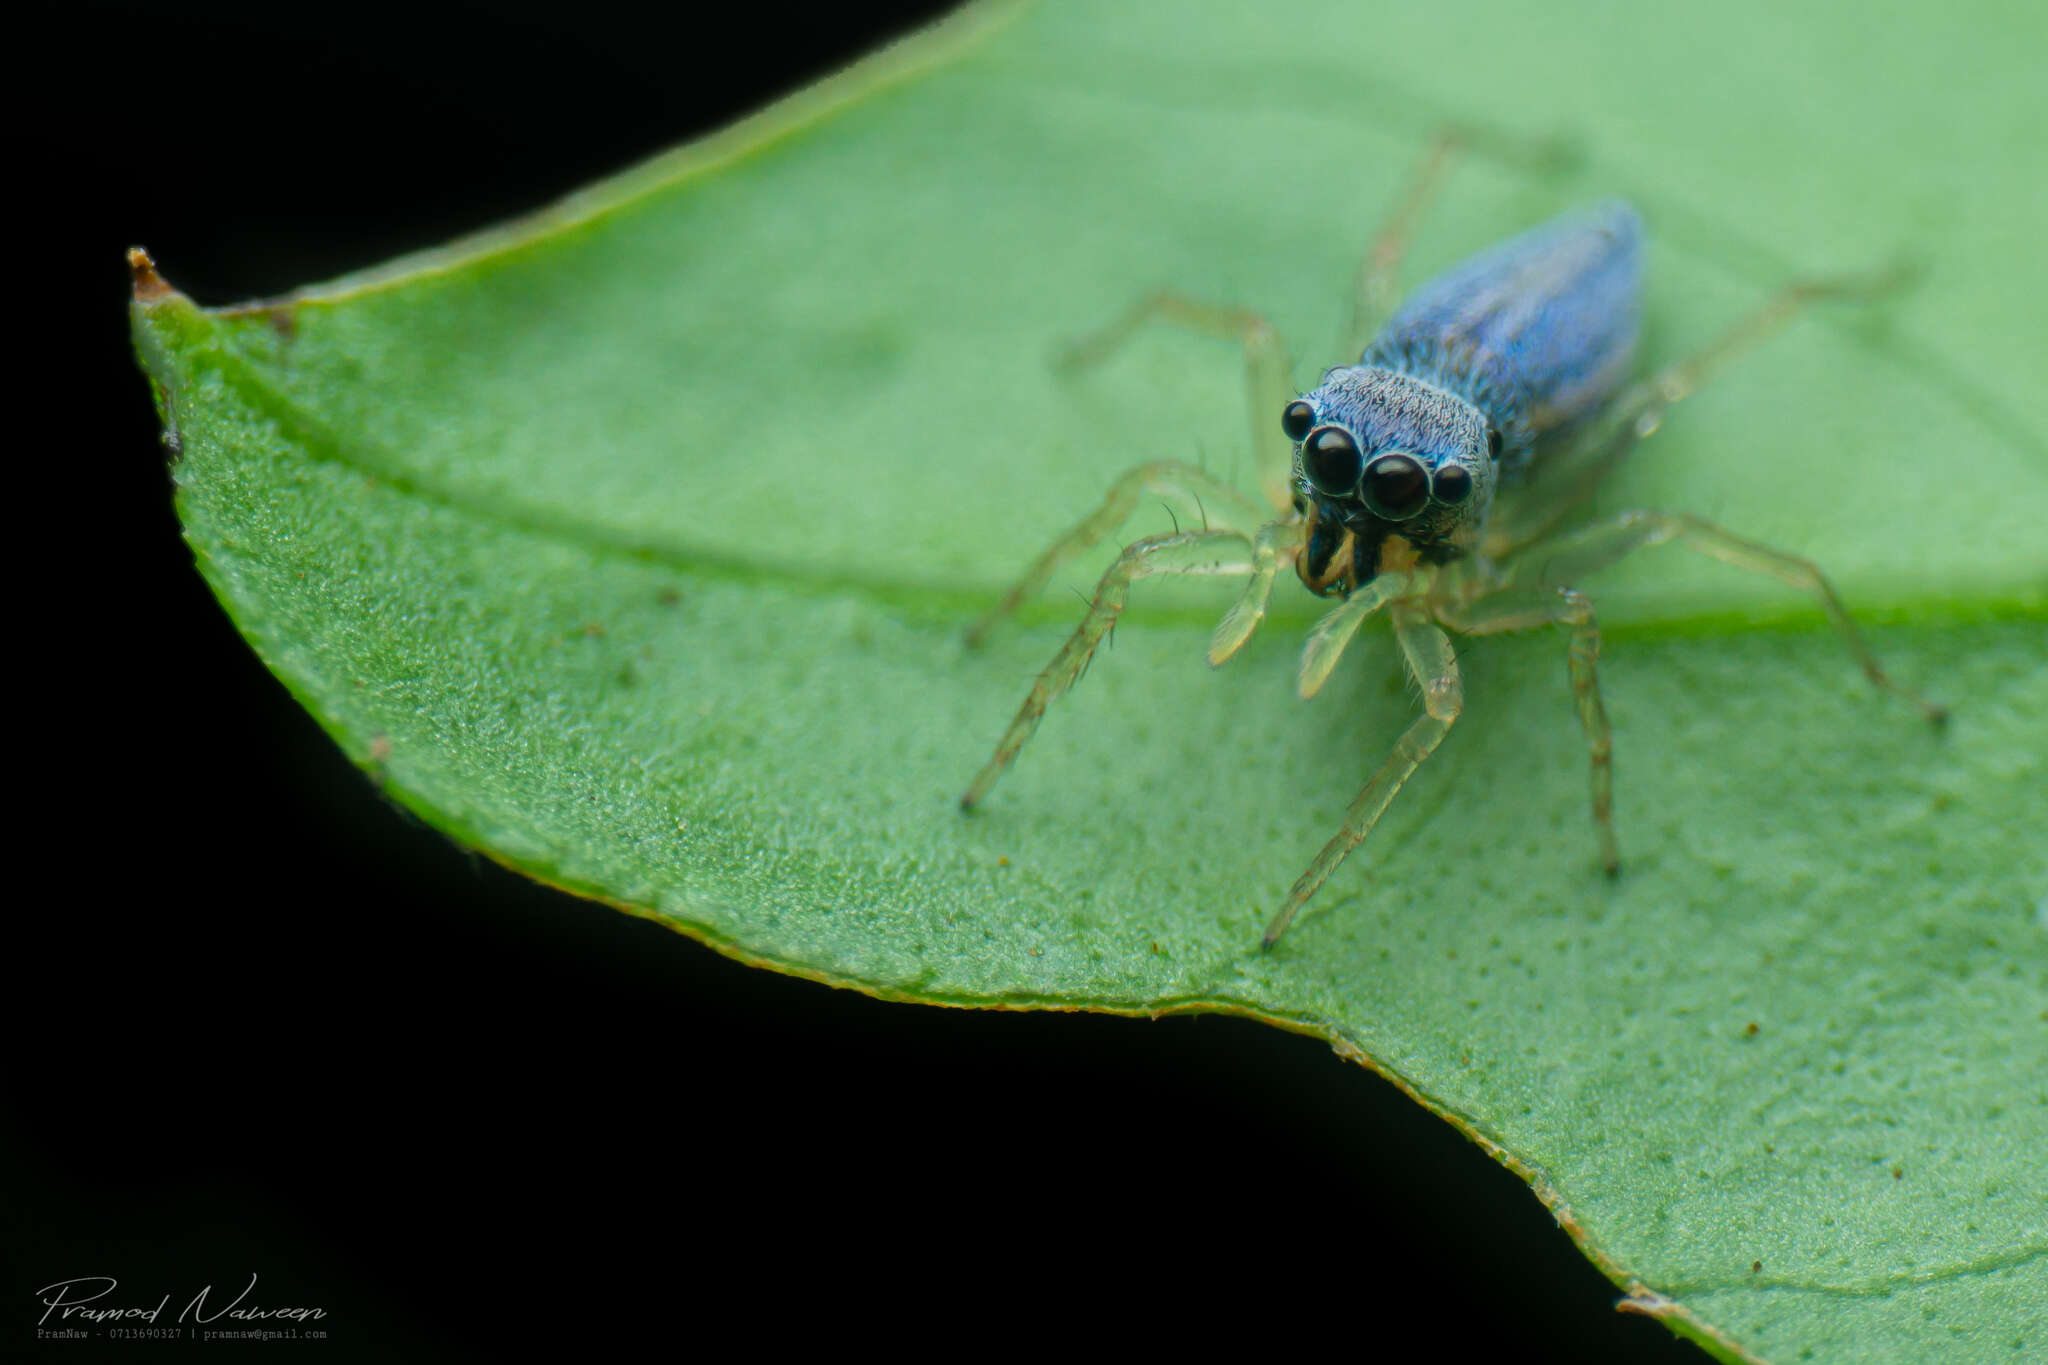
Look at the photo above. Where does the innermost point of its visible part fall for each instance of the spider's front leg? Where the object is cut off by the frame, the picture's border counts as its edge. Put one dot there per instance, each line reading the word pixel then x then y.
pixel 1193 491
pixel 1218 504
pixel 1233 539
pixel 1186 553
pixel 1273 549
pixel 1430 660
pixel 1567 608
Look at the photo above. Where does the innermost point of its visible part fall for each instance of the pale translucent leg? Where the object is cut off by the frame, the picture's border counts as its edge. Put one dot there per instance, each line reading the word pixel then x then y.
pixel 1202 497
pixel 1565 607
pixel 1326 643
pixel 1574 555
pixel 1639 411
pixel 1195 553
pixel 1678 381
pixel 1428 652
pixel 1378 287
pixel 1273 549
pixel 1267 386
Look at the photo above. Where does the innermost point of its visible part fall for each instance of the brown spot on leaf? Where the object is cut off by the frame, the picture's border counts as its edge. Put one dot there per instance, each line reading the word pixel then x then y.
pixel 1750 1029
pixel 1755 1266
pixel 380 748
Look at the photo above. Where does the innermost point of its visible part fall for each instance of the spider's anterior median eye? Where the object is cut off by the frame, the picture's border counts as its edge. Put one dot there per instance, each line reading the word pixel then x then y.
pixel 1452 484
pixel 1331 460
pixel 1296 418
pixel 1396 487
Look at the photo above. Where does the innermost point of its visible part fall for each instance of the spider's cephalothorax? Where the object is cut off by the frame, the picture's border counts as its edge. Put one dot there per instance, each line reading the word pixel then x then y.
pixel 1389 470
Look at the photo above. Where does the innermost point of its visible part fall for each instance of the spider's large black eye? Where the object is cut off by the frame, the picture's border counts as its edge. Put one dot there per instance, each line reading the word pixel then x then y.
pixel 1296 418
pixel 1493 442
pixel 1452 484
pixel 1396 487
pixel 1331 460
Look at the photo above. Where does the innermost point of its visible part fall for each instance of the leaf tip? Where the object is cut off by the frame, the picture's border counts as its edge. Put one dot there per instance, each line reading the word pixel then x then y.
pixel 148 285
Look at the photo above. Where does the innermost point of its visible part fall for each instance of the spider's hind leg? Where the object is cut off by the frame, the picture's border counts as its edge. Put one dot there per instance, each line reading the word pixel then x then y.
pixel 1377 288
pixel 1267 385
pixel 1556 490
pixel 1570 557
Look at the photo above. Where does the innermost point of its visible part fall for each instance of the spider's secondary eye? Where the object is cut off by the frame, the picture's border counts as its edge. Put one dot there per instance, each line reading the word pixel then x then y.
pixel 1492 443
pixel 1331 460
pixel 1296 418
pixel 1452 484
pixel 1396 487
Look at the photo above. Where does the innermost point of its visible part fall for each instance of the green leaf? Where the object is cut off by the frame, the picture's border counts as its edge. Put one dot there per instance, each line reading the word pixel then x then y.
pixel 632 544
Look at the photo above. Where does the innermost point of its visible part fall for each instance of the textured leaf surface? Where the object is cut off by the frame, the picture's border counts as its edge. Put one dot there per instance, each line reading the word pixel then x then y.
pixel 632 546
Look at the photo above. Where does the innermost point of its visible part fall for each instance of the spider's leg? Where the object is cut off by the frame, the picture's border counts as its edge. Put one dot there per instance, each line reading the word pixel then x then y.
pixel 1265 371
pixel 1196 553
pixel 1377 288
pixel 1428 652
pixel 1326 643
pixel 1274 547
pixel 1565 607
pixel 1205 499
pixel 1555 490
pixel 1572 556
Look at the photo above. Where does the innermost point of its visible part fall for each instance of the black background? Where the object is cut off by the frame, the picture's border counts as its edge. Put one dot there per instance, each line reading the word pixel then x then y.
pixel 269 1023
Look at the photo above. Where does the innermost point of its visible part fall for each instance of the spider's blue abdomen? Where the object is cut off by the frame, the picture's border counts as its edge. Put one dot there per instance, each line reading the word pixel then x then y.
pixel 1537 332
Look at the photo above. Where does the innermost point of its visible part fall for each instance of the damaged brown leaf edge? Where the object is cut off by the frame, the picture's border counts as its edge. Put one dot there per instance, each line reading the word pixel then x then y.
pixel 149 286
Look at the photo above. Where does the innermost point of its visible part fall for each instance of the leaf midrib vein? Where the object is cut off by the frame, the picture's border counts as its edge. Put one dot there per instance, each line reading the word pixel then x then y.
pixel 318 441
